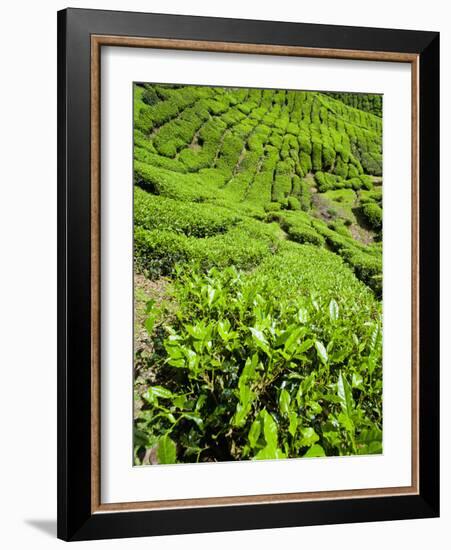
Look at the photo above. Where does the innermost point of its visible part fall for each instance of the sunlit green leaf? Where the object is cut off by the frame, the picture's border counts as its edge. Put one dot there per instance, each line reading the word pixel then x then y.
pixel 150 305
pixel 292 340
pixel 321 351
pixel 315 451
pixel 344 393
pixel 304 346
pixel 149 323
pixel 302 315
pixel 269 453
pixel 357 380
pixel 284 401
pixel 254 433
pixel 259 337
pixel 308 437
pixel 333 310
pixel 269 428
pixel 166 450
pixel 314 406
pixel 224 329
pixel 158 391
pixel 293 418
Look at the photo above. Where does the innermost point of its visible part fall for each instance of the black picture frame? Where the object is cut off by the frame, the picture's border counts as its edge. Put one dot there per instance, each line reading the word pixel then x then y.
pixel 76 520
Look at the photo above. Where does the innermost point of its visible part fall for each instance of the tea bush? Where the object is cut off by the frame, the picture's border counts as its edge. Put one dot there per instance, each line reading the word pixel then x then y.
pixel 257 223
pixel 371 103
pixel 247 375
pixel 157 252
pixel 196 220
pixel 373 214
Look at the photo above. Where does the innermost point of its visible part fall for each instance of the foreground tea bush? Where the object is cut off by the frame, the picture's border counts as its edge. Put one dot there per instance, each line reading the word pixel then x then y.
pixel 243 373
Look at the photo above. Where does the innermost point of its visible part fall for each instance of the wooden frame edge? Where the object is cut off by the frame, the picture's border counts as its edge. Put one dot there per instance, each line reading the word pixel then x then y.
pixel 228 47
pixel 95 276
pixel 235 47
pixel 255 499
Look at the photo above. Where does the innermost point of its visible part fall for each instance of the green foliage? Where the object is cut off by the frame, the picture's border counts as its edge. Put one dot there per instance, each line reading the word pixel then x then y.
pixel 371 103
pixel 158 251
pixel 196 219
pixel 326 181
pixel 373 214
pixel 150 96
pixel 365 261
pixel 341 227
pixel 273 207
pixel 372 196
pixel 248 375
pixel 294 203
pixel 255 219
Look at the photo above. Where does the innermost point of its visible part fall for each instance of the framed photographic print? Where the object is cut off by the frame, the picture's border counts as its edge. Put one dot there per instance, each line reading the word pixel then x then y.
pixel 248 274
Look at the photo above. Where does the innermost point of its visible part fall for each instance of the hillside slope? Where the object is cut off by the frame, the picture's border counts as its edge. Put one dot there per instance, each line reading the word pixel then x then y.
pixel 259 212
pixel 256 152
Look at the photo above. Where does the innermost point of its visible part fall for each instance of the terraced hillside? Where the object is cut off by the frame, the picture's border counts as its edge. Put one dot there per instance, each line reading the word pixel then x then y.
pixel 258 258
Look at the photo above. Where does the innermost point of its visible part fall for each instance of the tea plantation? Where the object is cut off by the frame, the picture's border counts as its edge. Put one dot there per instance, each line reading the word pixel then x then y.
pixel 258 274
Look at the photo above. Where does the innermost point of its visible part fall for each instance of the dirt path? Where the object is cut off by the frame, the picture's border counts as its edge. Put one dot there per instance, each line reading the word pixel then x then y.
pixel 145 291
pixel 360 234
pixel 324 209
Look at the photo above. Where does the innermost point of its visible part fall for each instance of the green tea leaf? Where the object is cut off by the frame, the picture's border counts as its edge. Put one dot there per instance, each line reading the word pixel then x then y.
pixel 240 415
pixel 176 355
pixel 308 437
pixel 199 331
pixel 315 407
pixel 315 303
pixel 333 310
pixel 195 418
pixel 259 338
pixel 293 418
pixel 269 429
pixel 304 346
pixel 347 423
pixel 375 337
pixel 200 401
pixel 243 407
pixel 284 401
pixel 321 352
pixel 315 451
pixel 249 370
pixel 302 315
pixel 149 323
pixel 332 437
pixel 370 441
pixel 292 341
pixel 304 387
pixel 150 305
pixel 246 394
pixel 269 453
pixel 166 450
pixel 179 401
pixel 344 393
pixel 254 433
pixel 158 391
pixel 357 380
pixel 224 329
pixel 211 292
